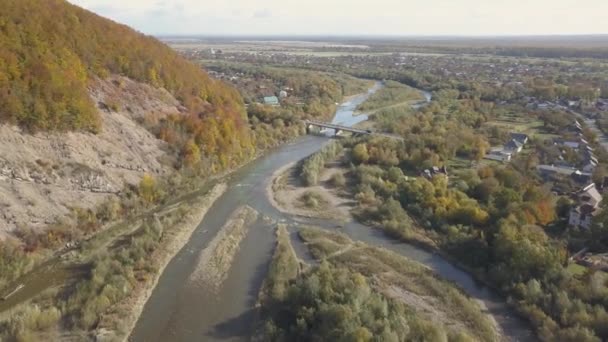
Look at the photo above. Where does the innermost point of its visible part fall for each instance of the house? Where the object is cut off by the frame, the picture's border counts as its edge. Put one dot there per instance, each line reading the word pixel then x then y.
pixel 582 216
pixel 434 171
pixel 590 157
pixel 542 106
pixel 283 94
pixel 500 156
pixel 581 177
pixel 588 206
pixel 573 103
pixel 572 144
pixel 589 166
pixel 513 146
pixel 547 170
pixel 271 100
pixel 577 144
pixel 577 126
pixel 522 138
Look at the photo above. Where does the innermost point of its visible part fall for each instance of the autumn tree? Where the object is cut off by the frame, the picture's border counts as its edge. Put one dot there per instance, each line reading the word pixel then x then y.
pixel 148 189
pixel 360 153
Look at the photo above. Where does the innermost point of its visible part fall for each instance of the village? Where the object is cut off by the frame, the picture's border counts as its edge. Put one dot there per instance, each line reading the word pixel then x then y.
pixel 566 135
pixel 573 171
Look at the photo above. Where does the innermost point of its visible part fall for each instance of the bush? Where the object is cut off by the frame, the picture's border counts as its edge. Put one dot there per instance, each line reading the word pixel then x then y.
pixel 313 200
pixel 314 165
pixel 338 180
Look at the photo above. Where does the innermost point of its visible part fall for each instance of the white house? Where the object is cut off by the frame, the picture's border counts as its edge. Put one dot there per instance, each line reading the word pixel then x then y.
pixel 589 200
pixel 499 155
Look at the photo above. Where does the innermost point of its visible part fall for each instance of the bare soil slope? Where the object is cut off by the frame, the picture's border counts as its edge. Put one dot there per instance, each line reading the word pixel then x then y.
pixel 44 175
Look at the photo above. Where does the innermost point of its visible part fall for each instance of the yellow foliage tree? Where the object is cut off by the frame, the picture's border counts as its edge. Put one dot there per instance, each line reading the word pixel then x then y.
pixel 148 189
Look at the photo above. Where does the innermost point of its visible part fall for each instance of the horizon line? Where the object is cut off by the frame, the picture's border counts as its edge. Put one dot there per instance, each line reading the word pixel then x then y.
pixel 416 36
pixel 590 36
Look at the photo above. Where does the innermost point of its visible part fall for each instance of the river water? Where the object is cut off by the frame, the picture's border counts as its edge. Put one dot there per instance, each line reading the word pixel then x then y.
pixel 181 309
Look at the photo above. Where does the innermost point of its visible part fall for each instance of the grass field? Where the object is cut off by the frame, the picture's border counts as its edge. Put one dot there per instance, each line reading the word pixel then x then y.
pixel 393 94
pixel 576 269
pixel 521 124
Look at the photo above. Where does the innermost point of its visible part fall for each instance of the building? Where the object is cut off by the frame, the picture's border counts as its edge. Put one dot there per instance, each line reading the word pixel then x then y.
pixel 576 127
pixel 581 177
pixel 506 152
pixel 271 100
pixel 521 137
pixel 589 166
pixel 513 146
pixel 500 156
pixel 434 171
pixel 580 145
pixel 588 206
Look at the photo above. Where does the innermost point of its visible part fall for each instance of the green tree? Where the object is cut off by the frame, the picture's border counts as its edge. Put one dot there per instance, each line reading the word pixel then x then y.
pixel 360 153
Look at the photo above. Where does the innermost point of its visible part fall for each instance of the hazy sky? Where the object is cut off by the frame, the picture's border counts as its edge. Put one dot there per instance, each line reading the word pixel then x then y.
pixel 350 17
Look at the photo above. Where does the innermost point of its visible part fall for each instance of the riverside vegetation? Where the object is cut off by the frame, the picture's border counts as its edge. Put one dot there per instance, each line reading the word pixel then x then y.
pixel 121 274
pixel 393 94
pixel 497 220
pixel 362 293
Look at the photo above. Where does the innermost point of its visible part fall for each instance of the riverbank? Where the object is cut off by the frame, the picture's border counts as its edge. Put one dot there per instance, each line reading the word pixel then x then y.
pixel 431 302
pixel 277 191
pixel 215 260
pixel 285 190
pixel 392 95
pixel 181 233
pixel 277 186
pixel 416 236
pixel 288 195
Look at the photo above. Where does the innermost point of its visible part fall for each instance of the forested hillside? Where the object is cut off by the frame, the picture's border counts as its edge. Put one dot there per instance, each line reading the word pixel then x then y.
pixel 52 50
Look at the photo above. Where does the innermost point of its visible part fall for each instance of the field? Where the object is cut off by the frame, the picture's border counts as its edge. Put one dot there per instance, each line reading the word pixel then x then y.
pixel 521 123
pixel 394 94
pixel 298 48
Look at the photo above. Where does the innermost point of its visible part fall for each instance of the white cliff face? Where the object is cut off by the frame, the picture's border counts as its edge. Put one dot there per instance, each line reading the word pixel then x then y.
pixel 44 175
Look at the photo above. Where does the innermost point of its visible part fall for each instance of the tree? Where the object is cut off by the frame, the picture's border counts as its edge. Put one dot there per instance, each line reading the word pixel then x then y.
pixel 148 189
pixel 360 153
pixel 191 154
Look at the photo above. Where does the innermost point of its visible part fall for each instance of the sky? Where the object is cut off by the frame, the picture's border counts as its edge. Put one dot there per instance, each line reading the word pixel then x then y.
pixel 357 17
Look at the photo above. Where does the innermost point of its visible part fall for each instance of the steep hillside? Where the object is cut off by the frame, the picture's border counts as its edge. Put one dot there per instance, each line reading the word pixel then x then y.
pixel 43 176
pixel 51 49
pixel 88 106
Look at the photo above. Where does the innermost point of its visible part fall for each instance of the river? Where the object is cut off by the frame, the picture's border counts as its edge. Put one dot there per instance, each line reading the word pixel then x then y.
pixel 183 310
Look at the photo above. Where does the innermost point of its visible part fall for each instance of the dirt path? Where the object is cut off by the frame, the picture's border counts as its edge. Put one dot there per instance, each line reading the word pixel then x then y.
pixel 342 251
pixel 400 104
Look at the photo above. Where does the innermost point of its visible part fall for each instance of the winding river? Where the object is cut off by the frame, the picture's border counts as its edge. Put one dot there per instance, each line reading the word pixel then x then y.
pixel 180 309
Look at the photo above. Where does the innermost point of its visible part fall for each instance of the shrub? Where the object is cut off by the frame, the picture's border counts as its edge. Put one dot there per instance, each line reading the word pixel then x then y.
pixel 314 165
pixel 313 200
pixel 338 180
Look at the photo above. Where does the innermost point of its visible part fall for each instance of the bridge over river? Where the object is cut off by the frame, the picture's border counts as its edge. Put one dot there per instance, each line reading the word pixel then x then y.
pixel 340 128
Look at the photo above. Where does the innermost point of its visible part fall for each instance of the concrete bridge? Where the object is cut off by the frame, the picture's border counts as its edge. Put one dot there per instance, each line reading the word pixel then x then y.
pixel 340 128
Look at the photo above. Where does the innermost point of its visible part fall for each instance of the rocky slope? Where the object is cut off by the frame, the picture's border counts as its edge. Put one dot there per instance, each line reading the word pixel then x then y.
pixel 44 175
